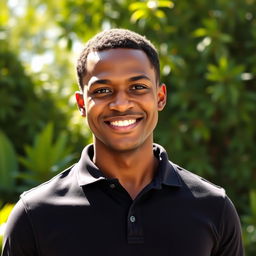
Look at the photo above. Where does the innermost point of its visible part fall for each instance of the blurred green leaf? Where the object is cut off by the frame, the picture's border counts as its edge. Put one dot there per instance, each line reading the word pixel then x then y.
pixel 167 4
pixel 253 203
pixel 137 5
pixel 200 32
pixel 207 61
pixel 8 164
pixel 4 17
pixel 160 14
pixel 5 212
pixel 138 14
pixel 45 158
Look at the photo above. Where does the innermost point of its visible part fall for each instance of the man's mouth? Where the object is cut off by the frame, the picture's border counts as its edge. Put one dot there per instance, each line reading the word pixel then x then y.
pixel 123 123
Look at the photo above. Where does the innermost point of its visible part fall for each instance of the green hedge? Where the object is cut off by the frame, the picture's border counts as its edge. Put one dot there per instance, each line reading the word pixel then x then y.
pixel 207 61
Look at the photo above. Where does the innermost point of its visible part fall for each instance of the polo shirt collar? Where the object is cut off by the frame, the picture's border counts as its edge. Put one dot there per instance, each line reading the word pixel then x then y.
pixel 167 171
pixel 87 172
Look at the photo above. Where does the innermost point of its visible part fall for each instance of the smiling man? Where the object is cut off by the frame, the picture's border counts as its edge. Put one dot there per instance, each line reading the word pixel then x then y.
pixel 123 197
pixel 121 98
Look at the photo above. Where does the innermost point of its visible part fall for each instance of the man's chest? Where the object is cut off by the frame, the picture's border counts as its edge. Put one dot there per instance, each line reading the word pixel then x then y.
pixel 101 228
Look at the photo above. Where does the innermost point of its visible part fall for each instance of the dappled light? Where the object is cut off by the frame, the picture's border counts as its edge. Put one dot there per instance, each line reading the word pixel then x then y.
pixel 208 63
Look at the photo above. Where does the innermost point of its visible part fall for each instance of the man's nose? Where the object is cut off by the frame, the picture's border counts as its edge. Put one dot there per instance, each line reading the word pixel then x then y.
pixel 121 102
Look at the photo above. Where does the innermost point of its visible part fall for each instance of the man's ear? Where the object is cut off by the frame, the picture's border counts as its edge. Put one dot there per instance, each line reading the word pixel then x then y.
pixel 161 96
pixel 80 103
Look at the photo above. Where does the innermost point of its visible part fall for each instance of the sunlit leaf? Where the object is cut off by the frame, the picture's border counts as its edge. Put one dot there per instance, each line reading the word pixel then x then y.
pixel 5 212
pixel 168 4
pixel 160 14
pixel 200 32
pixel 138 15
pixel 223 63
pixel 4 16
pixel 137 5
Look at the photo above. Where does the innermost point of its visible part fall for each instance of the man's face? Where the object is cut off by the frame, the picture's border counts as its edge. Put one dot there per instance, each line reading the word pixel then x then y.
pixel 121 98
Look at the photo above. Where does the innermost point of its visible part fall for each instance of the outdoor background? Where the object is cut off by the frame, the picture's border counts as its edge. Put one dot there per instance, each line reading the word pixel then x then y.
pixel 208 61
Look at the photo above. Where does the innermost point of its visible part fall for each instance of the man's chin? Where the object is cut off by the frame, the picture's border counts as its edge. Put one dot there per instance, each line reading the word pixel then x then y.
pixel 123 145
pixel 123 148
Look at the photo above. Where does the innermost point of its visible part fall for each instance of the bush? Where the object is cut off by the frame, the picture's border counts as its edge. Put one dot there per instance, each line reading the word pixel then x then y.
pixel 22 110
pixel 206 51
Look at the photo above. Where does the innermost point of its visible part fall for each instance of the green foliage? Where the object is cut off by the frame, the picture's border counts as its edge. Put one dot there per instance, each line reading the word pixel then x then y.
pixel 249 228
pixel 8 167
pixel 22 107
pixel 206 52
pixel 4 213
pixel 46 157
pixel 149 9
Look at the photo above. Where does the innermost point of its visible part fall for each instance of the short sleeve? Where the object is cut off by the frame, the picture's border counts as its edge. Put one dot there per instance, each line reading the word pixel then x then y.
pixel 19 239
pixel 230 235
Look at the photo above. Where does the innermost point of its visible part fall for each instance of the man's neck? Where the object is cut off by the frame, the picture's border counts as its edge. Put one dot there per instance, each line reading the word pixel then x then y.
pixel 134 169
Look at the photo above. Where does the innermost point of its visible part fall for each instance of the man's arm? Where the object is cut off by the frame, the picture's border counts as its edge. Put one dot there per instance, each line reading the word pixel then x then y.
pixel 230 239
pixel 19 239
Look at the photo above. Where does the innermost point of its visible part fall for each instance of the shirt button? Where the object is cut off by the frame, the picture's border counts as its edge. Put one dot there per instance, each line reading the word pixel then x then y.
pixel 132 219
pixel 112 185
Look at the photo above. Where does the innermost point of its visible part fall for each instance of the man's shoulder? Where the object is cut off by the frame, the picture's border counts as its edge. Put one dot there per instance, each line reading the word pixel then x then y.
pixel 48 191
pixel 187 180
pixel 197 185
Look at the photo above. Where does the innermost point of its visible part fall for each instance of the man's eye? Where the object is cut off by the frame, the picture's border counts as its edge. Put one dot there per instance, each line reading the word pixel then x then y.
pixel 138 87
pixel 102 91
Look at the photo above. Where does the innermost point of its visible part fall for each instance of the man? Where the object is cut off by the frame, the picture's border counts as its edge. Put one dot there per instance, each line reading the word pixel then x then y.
pixel 123 197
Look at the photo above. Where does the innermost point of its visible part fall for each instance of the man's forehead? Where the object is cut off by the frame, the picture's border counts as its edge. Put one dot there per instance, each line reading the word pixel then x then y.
pixel 93 57
pixel 125 59
pixel 97 55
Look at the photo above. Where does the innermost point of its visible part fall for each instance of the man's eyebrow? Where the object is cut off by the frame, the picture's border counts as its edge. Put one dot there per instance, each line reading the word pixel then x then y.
pixel 136 78
pixel 100 81
pixel 131 79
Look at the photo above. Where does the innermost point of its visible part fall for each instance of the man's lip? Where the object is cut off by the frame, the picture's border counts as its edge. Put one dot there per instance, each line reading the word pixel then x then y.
pixel 125 127
pixel 119 128
pixel 122 118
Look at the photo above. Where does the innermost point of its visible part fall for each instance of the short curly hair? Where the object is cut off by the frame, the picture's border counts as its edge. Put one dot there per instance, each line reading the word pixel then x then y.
pixel 116 38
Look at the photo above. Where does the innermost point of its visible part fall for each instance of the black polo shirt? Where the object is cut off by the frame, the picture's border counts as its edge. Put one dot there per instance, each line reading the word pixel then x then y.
pixel 80 212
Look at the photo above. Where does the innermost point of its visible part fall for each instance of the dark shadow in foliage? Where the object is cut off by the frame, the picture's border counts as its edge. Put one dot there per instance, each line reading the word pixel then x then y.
pixel 23 112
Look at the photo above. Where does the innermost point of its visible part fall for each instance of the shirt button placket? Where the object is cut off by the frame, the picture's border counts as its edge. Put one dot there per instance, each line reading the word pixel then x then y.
pixel 112 185
pixel 132 218
pixel 134 226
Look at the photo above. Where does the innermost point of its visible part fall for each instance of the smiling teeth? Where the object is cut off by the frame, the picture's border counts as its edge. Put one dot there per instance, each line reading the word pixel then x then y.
pixel 123 123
